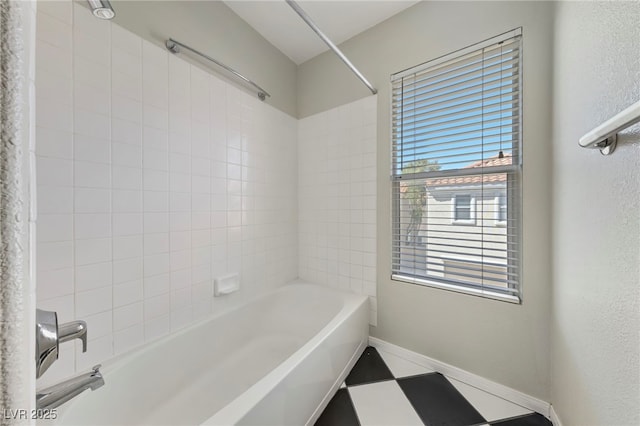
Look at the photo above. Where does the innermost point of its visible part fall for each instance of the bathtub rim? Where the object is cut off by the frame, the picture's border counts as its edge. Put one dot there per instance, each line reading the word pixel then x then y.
pixel 236 409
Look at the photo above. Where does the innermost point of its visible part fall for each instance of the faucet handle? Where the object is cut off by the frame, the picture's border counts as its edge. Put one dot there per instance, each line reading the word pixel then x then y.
pixel 96 368
pixel 73 330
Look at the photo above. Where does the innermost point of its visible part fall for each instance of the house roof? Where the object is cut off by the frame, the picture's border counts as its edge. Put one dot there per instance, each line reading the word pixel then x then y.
pixel 472 179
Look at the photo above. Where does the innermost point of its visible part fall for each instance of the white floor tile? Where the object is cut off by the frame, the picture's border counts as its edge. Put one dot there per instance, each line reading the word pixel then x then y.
pixel 400 367
pixel 491 407
pixel 383 403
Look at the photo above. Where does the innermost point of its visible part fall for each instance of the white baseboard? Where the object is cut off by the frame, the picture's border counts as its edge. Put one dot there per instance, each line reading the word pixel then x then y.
pixel 474 380
pixel 554 417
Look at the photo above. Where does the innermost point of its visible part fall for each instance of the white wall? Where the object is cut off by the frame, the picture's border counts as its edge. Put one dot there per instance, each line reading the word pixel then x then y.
pixel 337 199
pixel 154 177
pixel 503 342
pixel 596 215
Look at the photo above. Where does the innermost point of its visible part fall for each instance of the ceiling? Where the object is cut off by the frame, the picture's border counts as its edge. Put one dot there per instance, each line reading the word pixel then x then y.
pixel 276 21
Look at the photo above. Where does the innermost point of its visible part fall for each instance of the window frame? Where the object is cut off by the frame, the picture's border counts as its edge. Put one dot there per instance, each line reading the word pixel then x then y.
pixel 513 196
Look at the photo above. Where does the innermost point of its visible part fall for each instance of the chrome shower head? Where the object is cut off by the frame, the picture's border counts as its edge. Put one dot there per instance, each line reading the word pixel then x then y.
pixel 101 9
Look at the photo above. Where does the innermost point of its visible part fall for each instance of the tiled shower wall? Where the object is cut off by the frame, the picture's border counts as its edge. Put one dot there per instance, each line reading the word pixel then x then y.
pixel 154 177
pixel 337 198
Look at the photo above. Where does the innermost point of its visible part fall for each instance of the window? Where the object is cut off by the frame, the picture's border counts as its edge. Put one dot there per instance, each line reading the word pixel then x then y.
pixel 462 209
pixel 457 162
pixel 501 209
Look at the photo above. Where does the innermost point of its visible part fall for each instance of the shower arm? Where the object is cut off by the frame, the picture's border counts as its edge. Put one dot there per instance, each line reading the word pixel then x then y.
pixel 329 43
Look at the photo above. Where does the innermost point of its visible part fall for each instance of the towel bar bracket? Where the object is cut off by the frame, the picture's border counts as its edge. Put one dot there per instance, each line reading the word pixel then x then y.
pixel 608 145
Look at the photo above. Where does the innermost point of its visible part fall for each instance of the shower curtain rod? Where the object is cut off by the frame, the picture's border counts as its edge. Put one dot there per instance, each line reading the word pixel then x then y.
pixel 329 43
pixel 174 47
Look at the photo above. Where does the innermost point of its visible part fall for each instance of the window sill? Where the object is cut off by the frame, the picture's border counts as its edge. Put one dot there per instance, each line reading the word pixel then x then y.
pixel 469 222
pixel 458 289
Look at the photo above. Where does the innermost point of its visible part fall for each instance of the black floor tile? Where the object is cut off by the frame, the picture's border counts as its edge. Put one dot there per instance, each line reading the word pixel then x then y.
pixel 369 368
pixel 437 402
pixel 534 419
pixel 339 411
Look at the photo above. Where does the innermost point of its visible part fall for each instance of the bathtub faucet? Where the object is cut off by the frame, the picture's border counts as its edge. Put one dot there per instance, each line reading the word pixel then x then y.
pixel 57 395
pixel 49 335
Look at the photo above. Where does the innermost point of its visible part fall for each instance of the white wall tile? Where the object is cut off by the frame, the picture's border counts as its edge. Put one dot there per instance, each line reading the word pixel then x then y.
pixel 54 143
pixel 127 293
pixel 156 264
pixel 92 251
pixel 156 243
pixel 157 306
pixel 127 316
pixel 93 276
pixel 126 62
pixel 58 59
pixel 129 178
pixel 126 85
pixel 92 98
pixel 156 222
pixel 92 124
pixel 152 174
pixel 126 108
pixel 92 225
pixel 124 340
pixel 127 270
pixel 55 227
pixel 157 285
pixel 156 159
pixel 61 11
pixel 157 327
pixel 91 49
pixel 94 301
pixel 126 155
pixel 89 72
pixel 56 283
pixel 91 175
pixel 127 247
pixel 336 232
pixel 126 131
pixel 92 200
pixel 53 256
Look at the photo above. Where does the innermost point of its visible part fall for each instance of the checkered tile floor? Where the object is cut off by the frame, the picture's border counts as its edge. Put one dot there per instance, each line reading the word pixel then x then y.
pixel 383 389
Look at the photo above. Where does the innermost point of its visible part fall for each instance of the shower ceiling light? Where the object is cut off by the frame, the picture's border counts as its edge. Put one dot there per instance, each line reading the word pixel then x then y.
pixel 101 9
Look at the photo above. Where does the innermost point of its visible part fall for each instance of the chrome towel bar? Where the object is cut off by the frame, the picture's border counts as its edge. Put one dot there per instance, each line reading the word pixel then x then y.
pixel 174 47
pixel 605 136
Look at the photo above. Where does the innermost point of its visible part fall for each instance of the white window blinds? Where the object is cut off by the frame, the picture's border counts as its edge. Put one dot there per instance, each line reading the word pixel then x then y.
pixel 457 159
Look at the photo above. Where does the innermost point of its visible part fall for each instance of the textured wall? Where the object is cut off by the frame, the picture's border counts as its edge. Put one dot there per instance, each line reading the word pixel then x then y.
pixel 337 199
pixel 154 177
pixel 17 219
pixel 500 341
pixel 596 215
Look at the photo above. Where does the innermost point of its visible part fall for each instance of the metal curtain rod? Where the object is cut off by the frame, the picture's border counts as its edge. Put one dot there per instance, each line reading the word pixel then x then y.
pixel 605 136
pixel 174 47
pixel 329 43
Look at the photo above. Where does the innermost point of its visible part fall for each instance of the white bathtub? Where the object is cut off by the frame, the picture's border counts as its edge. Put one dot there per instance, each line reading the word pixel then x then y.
pixel 274 361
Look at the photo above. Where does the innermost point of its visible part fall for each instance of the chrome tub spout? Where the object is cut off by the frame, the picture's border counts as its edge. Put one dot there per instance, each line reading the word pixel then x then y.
pixel 57 395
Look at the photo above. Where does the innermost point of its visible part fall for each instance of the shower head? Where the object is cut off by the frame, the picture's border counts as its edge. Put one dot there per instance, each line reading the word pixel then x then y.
pixel 101 9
